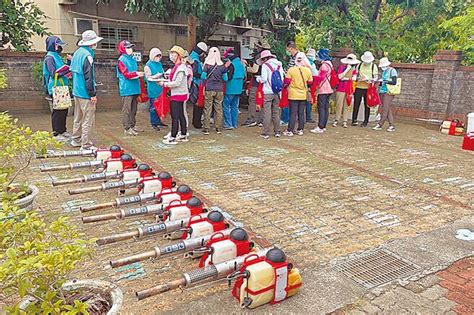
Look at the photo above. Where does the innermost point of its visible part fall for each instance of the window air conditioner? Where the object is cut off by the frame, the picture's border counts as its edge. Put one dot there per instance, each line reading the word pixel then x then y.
pixel 81 25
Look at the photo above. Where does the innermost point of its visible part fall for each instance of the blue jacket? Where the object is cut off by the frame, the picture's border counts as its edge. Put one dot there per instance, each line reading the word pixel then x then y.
pixel 83 77
pixel 128 87
pixel 154 90
pixel 236 78
pixel 52 62
pixel 197 67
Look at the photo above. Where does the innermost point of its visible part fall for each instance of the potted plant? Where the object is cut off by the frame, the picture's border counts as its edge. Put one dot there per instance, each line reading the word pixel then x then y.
pixel 36 260
pixel 18 146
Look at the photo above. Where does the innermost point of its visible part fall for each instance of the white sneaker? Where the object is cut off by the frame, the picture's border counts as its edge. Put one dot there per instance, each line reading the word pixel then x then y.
pixel 299 132
pixel 391 129
pixel 288 133
pixel 130 132
pixel 60 138
pixel 137 130
pixel 324 129
pixel 317 130
pixel 75 144
pixel 66 134
pixel 182 139
pixel 167 136
pixel 334 124
pixel 170 141
pixel 377 127
pixel 344 125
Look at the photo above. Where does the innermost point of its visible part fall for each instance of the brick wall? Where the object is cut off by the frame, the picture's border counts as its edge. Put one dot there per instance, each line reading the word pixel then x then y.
pixel 440 90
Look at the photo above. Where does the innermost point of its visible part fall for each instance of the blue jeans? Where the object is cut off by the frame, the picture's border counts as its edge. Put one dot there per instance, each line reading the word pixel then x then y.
pixel 285 114
pixel 154 119
pixel 230 107
pixel 323 110
pixel 309 111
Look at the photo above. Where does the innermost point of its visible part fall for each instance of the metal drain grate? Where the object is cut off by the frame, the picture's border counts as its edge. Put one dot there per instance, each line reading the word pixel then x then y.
pixel 376 268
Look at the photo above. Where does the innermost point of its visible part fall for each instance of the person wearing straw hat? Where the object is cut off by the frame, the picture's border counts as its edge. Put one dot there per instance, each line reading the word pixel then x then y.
pixel 367 74
pixel 347 73
pixel 197 54
pixel 324 89
pixel 154 70
pixel 271 100
pixel 55 72
pixel 311 55
pixel 129 86
pixel 84 90
pixel 178 84
pixel 389 77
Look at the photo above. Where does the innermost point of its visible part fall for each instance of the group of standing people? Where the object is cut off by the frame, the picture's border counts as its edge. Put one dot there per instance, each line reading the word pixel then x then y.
pixel 204 74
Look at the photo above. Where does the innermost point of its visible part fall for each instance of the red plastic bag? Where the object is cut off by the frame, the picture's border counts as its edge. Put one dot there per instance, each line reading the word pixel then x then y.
pixel 259 96
pixel 314 88
pixel 201 99
pixel 373 98
pixel 349 92
pixel 284 102
pixel 162 104
pixel 143 96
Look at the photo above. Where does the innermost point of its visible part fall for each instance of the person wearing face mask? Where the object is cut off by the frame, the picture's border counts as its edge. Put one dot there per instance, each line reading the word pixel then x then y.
pixel 196 55
pixel 129 86
pixel 311 55
pixel 84 91
pixel 233 90
pixel 347 73
pixel 154 70
pixel 52 66
pixel 389 77
pixel 367 74
pixel 324 89
pixel 291 52
pixel 178 84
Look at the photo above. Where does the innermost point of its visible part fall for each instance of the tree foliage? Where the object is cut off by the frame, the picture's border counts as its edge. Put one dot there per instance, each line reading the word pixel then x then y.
pixel 19 20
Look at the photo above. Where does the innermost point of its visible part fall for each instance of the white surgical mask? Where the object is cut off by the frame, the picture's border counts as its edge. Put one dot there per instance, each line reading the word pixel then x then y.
pixel 173 56
pixel 384 68
pixel 94 47
pixel 157 59
pixel 129 51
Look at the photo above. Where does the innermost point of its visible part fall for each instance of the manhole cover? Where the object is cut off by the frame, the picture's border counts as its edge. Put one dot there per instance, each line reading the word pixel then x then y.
pixel 376 268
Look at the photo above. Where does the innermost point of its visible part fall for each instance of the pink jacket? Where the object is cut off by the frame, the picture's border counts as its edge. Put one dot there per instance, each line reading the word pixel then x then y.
pixel 324 77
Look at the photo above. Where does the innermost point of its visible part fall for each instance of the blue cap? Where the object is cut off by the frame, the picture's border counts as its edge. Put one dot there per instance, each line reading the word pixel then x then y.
pixel 323 54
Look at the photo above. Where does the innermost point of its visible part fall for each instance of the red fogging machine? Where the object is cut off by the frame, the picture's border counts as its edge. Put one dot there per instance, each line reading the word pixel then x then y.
pixel 115 151
pixel 125 161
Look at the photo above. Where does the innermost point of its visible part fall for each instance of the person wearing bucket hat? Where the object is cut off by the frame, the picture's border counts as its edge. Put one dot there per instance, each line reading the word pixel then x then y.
pixel 324 89
pixel 367 74
pixel 389 77
pixel 347 74
pixel 233 89
pixel 271 99
pixel 197 54
pixel 55 72
pixel 311 55
pixel 178 84
pixel 153 71
pixel 255 115
pixel 84 90
pixel 214 74
pixel 129 86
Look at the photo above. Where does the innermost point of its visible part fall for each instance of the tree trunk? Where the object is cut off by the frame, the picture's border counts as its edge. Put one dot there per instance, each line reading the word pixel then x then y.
pixel 376 10
pixel 191 32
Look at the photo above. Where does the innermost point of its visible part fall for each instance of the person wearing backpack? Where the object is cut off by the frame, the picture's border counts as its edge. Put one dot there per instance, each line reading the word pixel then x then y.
pixel 347 73
pixel 272 79
pixel 389 77
pixel 367 74
pixel 298 79
pixel 326 79
pixel 233 90
pixel 214 75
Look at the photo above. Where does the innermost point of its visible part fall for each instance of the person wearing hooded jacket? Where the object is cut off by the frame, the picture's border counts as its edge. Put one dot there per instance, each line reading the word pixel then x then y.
pixel 51 64
pixel 233 90
pixel 324 89
pixel 129 86
pixel 197 54
pixel 154 70
pixel 84 90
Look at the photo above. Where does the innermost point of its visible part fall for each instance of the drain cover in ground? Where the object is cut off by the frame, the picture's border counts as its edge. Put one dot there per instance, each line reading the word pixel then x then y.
pixel 376 268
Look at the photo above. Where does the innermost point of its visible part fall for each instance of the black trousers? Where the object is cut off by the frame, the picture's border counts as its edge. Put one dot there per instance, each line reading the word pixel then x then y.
pixel 178 121
pixel 197 115
pixel 58 121
pixel 297 109
pixel 360 94
pixel 323 110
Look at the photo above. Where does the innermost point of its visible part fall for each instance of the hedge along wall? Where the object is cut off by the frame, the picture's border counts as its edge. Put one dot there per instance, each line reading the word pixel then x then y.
pixel 444 89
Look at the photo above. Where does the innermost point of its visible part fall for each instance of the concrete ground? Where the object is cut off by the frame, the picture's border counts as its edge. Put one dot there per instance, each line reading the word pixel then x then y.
pixel 323 199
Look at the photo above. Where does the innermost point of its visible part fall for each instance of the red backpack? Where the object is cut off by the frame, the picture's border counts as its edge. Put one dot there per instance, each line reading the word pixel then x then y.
pixel 333 78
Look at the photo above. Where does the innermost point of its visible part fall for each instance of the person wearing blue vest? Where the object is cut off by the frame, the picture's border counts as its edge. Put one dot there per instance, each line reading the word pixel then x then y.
pixel 84 91
pixel 53 65
pixel 154 70
pixel 129 86
pixel 233 89
pixel 197 55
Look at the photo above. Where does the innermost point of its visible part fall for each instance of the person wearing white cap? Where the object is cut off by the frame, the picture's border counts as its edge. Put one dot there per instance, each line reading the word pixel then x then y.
pixel 311 55
pixel 347 73
pixel 197 55
pixel 154 70
pixel 84 90
pixel 367 74
pixel 389 77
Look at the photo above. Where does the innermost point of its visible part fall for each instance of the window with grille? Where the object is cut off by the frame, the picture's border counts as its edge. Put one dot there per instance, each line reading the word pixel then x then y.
pixel 113 34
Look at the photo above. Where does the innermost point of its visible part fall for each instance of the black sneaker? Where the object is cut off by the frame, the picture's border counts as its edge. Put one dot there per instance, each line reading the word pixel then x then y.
pixel 264 136
pixel 278 134
pixel 218 131
pixel 156 128
pixel 205 131
pixel 162 125
pixel 249 123
pixel 354 123
pixel 364 125
pixel 311 121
